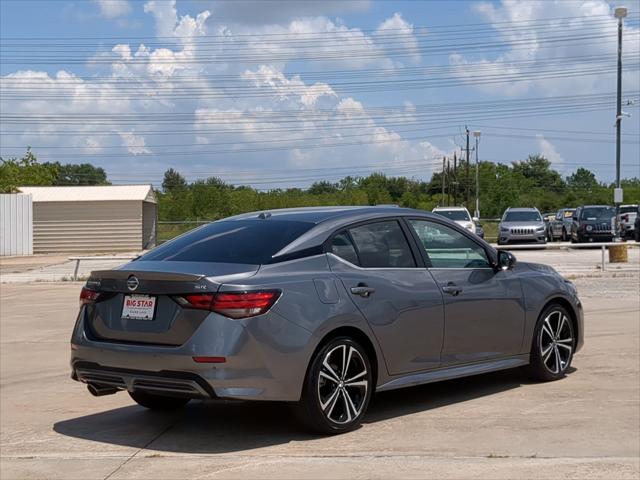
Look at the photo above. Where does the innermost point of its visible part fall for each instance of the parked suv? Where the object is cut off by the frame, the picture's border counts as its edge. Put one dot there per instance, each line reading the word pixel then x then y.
pixel 521 225
pixel 560 227
pixel 627 219
pixel 593 223
pixel 460 215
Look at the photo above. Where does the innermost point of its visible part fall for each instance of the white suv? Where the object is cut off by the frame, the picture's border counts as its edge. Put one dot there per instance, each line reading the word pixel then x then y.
pixel 460 215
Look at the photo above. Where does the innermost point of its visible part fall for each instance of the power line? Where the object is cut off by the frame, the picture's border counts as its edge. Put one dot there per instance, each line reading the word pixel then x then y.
pixel 453 27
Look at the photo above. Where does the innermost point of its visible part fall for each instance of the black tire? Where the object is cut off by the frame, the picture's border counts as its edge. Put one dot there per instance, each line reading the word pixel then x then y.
pixel 344 406
pixel 637 235
pixel 153 401
pixel 552 351
pixel 564 235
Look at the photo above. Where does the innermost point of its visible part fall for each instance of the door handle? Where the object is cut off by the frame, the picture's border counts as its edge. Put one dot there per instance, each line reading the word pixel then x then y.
pixel 452 289
pixel 362 290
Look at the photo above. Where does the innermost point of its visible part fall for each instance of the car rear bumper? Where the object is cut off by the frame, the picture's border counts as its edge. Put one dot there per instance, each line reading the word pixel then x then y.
pixel 272 368
pixel 595 237
pixel 171 383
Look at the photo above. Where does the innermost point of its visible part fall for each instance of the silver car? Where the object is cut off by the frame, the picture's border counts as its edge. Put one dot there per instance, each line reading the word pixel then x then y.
pixel 522 225
pixel 319 307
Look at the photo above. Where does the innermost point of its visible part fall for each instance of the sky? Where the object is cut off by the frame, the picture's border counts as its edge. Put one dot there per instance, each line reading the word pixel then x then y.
pixel 278 93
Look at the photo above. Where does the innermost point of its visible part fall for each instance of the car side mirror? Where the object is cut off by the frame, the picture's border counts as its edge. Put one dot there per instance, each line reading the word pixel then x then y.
pixel 506 260
pixel 475 219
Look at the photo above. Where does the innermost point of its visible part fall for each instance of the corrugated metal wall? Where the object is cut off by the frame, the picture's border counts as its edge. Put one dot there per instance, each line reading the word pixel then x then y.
pixel 149 224
pixel 87 227
pixel 16 224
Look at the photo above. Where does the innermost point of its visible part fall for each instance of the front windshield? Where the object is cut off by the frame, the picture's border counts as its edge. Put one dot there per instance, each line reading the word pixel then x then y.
pixel 598 213
pixel 460 215
pixel 526 216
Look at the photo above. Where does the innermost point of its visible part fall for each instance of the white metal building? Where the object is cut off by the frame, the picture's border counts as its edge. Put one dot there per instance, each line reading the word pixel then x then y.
pixel 87 219
pixel 15 224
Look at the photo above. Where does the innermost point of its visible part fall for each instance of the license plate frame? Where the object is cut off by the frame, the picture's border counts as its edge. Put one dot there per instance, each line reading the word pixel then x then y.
pixel 139 311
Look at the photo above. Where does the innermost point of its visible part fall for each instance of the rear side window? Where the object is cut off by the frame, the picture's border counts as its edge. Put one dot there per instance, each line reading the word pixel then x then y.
pixel 251 242
pixel 382 245
pixel 342 247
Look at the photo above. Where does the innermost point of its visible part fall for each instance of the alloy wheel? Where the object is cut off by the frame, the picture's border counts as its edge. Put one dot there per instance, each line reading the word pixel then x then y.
pixel 343 383
pixel 556 342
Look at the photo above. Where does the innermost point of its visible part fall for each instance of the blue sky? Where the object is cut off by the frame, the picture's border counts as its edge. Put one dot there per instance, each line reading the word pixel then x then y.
pixel 281 92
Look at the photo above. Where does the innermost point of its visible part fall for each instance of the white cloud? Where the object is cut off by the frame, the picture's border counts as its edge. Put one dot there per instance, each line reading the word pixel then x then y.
pixel 528 52
pixel 548 150
pixel 326 128
pixel 165 15
pixel 401 34
pixel 113 8
pixel 135 143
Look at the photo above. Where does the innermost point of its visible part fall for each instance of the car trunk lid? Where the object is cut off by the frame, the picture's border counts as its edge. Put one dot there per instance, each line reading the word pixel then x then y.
pixel 154 287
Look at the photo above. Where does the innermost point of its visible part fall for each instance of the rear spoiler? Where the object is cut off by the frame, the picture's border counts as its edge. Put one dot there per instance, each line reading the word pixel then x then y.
pixel 145 275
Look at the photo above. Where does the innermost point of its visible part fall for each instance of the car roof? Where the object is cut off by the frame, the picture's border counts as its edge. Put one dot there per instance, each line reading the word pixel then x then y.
pixel 449 208
pixel 319 215
pixel 329 219
pixel 522 209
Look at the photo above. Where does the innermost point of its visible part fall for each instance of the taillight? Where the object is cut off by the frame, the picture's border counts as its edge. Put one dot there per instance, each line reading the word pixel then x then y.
pixel 232 304
pixel 88 296
pixel 243 305
pixel 201 301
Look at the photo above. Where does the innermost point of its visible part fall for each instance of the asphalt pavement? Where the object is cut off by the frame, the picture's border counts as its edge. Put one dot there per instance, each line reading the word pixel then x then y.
pixel 498 425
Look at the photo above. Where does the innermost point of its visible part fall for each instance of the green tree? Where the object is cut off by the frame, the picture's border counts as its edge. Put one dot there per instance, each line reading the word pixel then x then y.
pixel 78 174
pixel 173 180
pixel 321 187
pixel 25 171
pixel 582 179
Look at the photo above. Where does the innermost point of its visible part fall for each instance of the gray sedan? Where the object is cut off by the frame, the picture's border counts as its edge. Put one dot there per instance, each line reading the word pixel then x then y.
pixel 320 307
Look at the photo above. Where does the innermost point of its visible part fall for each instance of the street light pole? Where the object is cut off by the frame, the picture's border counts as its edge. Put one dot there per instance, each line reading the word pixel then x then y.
pixel 476 214
pixel 620 13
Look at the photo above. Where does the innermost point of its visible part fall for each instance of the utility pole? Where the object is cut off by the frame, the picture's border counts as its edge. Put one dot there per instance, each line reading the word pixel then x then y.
pixel 620 13
pixel 444 159
pixel 466 179
pixel 455 179
pixel 448 186
pixel 476 214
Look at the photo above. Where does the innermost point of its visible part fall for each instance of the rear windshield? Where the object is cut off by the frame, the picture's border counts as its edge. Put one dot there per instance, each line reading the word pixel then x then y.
pixel 522 217
pixel 454 214
pixel 251 242
pixel 629 209
pixel 598 213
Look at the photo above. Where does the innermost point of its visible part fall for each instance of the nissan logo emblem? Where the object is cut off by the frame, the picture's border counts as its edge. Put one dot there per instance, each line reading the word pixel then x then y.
pixel 132 283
